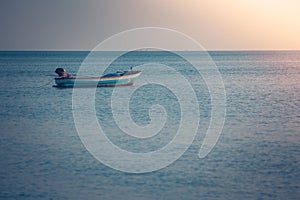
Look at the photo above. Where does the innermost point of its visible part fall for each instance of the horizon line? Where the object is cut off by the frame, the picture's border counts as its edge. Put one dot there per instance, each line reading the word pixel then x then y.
pixel 190 50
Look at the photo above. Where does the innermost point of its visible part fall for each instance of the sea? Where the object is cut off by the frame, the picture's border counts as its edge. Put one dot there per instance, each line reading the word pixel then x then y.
pixel 256 155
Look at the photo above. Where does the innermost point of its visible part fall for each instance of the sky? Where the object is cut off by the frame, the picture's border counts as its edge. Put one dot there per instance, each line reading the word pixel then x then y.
pixel 215 24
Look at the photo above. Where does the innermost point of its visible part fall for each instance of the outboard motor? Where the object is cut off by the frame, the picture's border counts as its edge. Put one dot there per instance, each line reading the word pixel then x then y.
pixel 61 72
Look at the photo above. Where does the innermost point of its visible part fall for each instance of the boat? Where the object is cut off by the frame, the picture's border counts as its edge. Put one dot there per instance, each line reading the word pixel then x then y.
pixel 124 78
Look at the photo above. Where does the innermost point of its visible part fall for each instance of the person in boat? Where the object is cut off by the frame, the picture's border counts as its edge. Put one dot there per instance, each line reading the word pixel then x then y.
pixel 62 73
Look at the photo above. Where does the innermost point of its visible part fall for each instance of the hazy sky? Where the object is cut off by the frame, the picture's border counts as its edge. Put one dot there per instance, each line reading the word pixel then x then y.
pixel 216 24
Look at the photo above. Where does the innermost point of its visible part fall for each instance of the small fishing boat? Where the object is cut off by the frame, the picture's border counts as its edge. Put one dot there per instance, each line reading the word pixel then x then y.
pixel 109 80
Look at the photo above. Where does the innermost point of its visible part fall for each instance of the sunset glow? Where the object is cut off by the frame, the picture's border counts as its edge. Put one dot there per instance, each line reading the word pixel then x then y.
pixel 238 24
pixel 217 25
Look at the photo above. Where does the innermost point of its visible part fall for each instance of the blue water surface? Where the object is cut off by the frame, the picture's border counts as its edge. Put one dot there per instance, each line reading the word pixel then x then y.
pixel 256 157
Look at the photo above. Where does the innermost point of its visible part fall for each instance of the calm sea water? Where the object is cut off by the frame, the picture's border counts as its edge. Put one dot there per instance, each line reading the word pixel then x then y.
pixel 256 157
